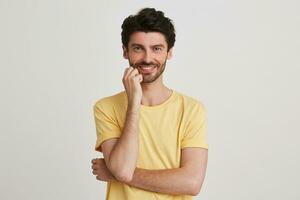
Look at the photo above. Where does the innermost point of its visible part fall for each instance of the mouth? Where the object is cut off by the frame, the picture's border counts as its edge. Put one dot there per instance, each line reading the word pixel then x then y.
pixel 146 69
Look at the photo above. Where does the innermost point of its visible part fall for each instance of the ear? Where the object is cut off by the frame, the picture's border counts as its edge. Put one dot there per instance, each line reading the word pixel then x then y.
pixel 125 53
pixel 170 53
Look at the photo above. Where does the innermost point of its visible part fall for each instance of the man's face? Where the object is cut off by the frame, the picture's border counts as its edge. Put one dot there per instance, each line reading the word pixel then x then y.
pixel 148 53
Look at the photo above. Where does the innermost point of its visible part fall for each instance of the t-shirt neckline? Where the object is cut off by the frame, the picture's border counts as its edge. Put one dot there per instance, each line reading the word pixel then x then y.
pixel 169 99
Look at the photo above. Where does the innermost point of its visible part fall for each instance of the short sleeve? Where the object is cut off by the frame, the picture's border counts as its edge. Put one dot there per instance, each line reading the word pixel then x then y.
pixel 106 124
pixel 195 132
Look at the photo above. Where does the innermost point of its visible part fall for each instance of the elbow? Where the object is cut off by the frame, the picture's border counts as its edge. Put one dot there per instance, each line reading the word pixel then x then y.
pixel 195 192
pixel 195 187
pixel 123 175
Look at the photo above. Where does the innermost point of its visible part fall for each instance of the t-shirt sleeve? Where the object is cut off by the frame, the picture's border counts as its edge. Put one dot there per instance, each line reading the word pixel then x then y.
pixel 106 124
pixel 195 132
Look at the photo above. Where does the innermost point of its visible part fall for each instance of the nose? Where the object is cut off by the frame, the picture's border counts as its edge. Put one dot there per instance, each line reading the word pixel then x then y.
pixel 147 57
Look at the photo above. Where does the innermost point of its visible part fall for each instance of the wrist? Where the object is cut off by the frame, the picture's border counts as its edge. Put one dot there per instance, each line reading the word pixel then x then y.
pixel 133 108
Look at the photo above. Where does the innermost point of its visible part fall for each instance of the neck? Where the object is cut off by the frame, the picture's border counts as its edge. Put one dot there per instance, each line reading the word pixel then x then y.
pixel 155 93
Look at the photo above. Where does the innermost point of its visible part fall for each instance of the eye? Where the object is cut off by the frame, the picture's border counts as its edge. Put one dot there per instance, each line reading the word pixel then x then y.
pixel 157 49
pixel 137 49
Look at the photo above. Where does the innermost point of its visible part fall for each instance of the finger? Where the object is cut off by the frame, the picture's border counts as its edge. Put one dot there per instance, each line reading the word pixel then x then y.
pixel 95 167
pixel 133 73
pixel 127 72
pixel 98 178
pixel 138 78
pixel 94 172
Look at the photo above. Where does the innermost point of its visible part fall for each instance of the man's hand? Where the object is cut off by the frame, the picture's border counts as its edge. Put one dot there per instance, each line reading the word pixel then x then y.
pixel 121 156
pixel 100 170
pixel 132 83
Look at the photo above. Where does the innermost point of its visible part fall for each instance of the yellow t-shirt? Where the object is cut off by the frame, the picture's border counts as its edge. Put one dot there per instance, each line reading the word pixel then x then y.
pixel 164 130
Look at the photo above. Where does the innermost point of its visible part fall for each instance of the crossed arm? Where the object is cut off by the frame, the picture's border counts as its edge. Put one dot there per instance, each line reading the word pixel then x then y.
pixel 185 180
pixel 120 158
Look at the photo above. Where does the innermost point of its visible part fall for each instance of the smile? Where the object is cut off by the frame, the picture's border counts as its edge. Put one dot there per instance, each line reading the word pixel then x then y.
pixel 147 69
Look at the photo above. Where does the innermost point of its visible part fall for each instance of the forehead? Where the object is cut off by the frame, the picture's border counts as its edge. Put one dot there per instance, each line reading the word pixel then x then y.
pixel 147 39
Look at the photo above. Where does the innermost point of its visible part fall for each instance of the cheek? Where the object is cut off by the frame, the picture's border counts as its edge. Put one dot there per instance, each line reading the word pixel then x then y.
pixel 134 57
pixel 162 59
pixel 133 60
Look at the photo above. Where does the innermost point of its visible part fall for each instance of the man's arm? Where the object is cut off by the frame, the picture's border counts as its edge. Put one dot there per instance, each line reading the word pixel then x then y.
pixel 121 157
pixel 186 180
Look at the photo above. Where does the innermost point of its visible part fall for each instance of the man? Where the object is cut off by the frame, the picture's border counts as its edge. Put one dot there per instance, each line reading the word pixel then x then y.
pixel 152 137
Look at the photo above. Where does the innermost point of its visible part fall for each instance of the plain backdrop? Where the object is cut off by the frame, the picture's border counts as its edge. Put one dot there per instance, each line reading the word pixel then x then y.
pixel 240 58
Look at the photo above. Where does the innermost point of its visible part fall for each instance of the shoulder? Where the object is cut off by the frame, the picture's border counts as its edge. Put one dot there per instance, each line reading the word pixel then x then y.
pixel 111 101
pixel 190 102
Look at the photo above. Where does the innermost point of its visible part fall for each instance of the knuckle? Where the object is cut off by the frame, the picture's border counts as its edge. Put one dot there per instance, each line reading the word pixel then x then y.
pixel 94 167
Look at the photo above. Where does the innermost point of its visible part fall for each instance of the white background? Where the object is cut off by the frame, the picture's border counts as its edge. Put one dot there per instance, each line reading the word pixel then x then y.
pixel 240 58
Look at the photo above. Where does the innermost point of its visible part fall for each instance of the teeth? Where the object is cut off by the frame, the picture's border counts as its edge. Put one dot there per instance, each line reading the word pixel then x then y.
pixel 147 67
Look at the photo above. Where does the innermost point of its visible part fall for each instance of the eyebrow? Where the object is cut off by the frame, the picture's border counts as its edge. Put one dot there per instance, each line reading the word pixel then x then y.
pixel 156 45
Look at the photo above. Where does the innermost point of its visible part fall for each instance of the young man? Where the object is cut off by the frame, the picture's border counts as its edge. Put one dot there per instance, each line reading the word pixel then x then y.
pixel 152 137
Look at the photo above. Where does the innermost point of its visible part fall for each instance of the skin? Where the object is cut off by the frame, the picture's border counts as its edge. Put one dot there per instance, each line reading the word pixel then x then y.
pixel 120 154
pixel 122 157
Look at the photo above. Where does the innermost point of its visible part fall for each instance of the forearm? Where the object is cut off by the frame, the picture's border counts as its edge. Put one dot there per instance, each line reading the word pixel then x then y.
pixel 123 157
pixel 177 181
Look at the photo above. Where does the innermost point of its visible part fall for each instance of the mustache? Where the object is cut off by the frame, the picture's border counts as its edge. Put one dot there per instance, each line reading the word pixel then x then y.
pixel 142 63
pixel 146 64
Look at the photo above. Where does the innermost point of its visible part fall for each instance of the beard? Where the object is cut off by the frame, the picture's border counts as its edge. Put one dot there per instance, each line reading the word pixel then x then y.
pixel 149 78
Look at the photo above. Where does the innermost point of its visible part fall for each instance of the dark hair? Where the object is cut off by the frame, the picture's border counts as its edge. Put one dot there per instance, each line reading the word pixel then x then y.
pixel 148 20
